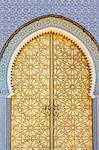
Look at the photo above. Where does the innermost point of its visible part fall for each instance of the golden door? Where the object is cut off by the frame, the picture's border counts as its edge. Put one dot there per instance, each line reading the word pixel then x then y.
pixel 51 108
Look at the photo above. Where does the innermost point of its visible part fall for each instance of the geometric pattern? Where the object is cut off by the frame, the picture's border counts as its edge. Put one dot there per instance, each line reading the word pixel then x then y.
pixel 51 108
pixel 30 81
pixel 73 119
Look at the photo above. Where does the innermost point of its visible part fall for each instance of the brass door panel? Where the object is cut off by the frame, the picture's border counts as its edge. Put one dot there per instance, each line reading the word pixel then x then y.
pixel 51 108
pixel 73 105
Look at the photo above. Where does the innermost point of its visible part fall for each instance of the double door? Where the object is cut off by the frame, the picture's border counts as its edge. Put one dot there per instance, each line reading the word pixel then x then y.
pixel 51 108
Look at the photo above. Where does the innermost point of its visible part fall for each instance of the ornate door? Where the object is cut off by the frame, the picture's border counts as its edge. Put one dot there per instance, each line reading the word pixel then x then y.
pixel 51 108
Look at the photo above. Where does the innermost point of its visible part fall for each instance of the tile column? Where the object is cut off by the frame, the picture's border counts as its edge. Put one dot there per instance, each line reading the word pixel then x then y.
pixel 4 122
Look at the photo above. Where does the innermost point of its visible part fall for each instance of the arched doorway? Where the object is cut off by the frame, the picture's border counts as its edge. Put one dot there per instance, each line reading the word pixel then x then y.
pixel 48 81
pixel 51 107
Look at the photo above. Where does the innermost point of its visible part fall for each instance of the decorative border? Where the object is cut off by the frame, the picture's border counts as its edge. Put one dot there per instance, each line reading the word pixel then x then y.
pixel 66 34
